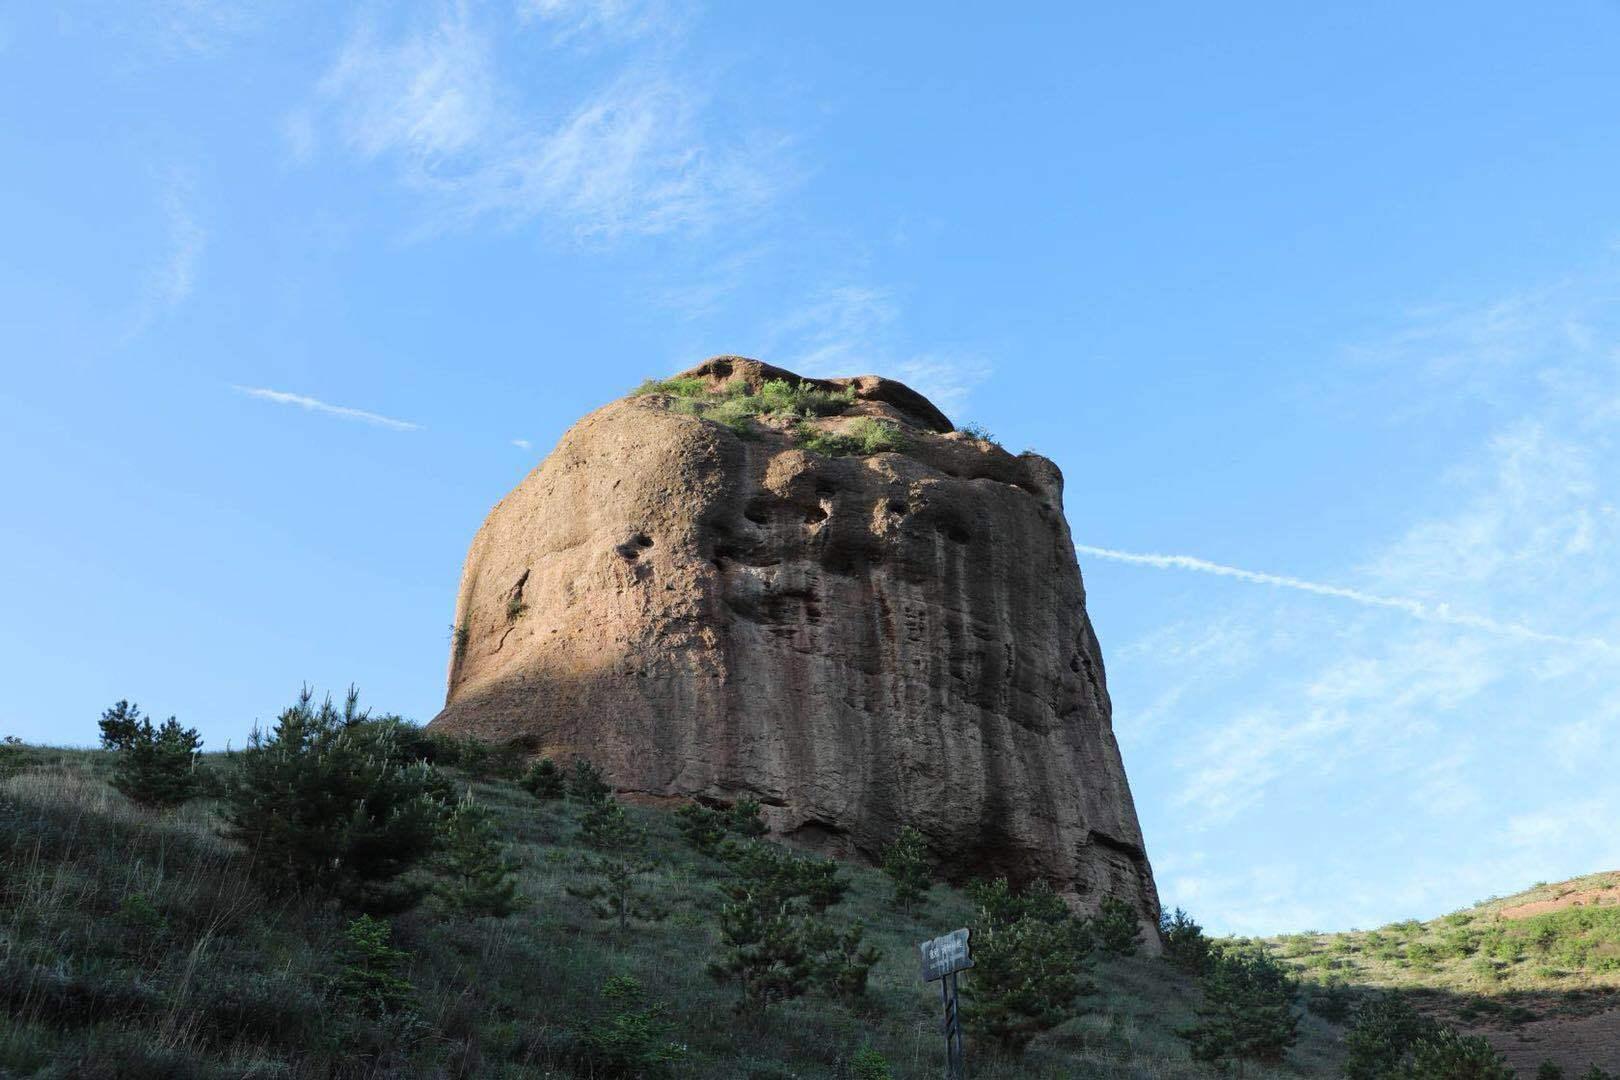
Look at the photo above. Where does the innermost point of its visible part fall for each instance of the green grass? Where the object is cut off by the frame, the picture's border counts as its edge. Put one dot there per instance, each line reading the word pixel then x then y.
pixel 862 436
pixel 1489 963
pixel 735 405
pixel 135 944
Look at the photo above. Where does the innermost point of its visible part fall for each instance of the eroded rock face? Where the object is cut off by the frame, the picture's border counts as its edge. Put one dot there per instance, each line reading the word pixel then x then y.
pixel 859 642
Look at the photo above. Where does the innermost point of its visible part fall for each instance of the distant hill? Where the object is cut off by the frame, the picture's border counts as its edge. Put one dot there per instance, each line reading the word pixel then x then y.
pixel 1538 973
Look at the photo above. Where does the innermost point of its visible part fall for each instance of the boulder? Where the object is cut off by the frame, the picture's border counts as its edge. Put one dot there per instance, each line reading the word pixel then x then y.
pixel 859 640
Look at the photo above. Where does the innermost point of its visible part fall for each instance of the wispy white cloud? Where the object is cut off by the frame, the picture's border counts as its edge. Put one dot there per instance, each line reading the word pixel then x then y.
pixel 522 444
pixel 203 26
pixel 638 155
pixel 1418 609
pixel 343 412
pixel 172 281
pixel 1455 693
pixel 578 21
pixel 852 330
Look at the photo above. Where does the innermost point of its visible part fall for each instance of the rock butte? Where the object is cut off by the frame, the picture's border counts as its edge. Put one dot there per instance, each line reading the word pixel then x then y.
pixel 858 642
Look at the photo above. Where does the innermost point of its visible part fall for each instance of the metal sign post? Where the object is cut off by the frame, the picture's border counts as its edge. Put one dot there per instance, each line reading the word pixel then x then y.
pixel 942 958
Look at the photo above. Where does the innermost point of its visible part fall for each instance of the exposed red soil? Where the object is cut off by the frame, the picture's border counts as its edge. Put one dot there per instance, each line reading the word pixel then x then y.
pixel 1607 895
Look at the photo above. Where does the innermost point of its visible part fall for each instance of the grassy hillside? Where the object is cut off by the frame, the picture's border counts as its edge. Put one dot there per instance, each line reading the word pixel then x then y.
pixel 1538 973
pixel 134 944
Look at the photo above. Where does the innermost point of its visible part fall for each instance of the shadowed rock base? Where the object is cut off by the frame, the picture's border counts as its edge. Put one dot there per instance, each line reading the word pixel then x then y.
pixel 858 642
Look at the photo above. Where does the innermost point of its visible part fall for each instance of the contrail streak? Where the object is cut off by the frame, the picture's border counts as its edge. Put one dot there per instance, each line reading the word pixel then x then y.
pixel 281 397
pixel 1418 609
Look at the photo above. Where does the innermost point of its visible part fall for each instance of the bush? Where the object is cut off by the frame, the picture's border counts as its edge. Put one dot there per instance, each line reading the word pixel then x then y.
pixel 865 435
pixel 689 386
pixel 477 873
pixel 544 780
pixel 12 756
pixel 979 432
pixel 1028 953
pixel 1247 1013
pixel 1550 1070
pixel 906 863
pixel 1116 928
pixel 1185 945
pixel 155 766
pixel 328 804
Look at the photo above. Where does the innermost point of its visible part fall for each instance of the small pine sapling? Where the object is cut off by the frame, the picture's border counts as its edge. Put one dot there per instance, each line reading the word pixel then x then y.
pixel 544 780
pixel 370 977
pixel 906 863
pixel 1117 929
pixel 478 876
pixel 586 783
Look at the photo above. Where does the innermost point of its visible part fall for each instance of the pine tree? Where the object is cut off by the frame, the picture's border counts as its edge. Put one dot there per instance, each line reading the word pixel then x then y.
pixel 478 876
pixel 1116 928
pixel 1383 1032
pixel 743 818
pixel 586 784
pixel 763 948
pixel 370 976
pixel 329 803
pixel 154 766
pixel 841 962
pixel 906 863
pixel 617 892
pixel 606 827
pixel 1184 942
pixel 1450 1055
pixel 544 780
pixel 1029 953
pixel 120 725
pixel 773 941
pixel 703 829
pixel 1247 1013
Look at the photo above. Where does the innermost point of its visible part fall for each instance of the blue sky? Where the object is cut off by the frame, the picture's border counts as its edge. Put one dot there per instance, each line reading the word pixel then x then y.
pixel 292 294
